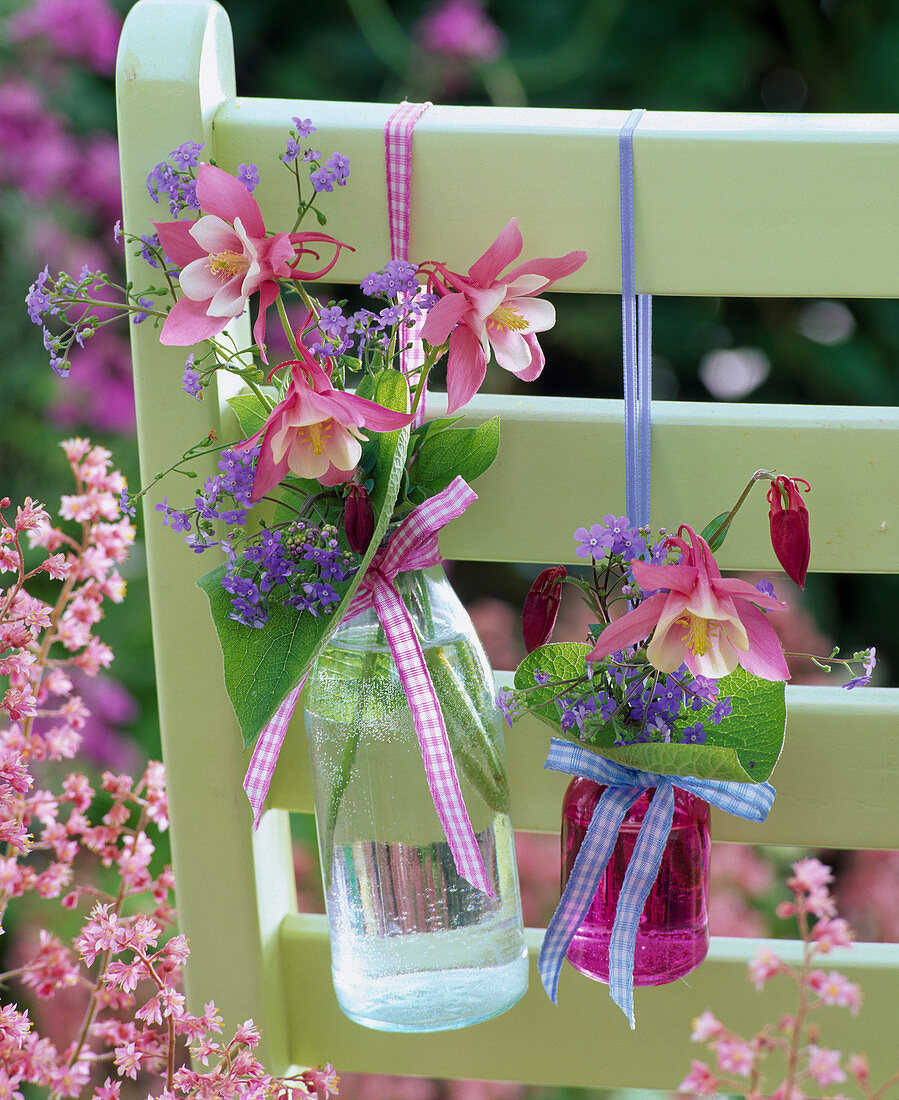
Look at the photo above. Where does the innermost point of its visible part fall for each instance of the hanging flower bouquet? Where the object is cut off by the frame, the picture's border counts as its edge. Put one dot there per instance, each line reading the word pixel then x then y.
pixel 333 443
pixel 681 695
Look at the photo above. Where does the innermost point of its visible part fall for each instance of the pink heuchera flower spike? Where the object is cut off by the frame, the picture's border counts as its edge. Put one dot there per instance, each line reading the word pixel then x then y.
pixel 225 256
pixel 314 432
pixel 711 623
pixel 487 309
pixel 789 526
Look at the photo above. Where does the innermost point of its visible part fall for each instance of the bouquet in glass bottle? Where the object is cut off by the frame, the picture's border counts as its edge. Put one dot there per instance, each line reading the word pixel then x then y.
pixel 324 515
pixel 674 704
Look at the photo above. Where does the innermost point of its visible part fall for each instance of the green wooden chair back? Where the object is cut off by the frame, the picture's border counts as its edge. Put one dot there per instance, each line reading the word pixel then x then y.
pixel 736 205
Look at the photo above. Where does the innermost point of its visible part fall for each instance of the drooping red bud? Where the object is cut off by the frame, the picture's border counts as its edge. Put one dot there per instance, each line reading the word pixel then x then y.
pixel 789 526
pixel 358 518
pixel 541 605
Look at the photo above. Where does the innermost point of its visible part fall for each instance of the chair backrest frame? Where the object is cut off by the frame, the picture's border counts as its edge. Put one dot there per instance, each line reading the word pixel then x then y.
pixel 725 204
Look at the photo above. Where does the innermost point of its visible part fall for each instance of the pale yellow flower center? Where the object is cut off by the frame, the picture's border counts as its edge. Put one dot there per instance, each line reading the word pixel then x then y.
pixel 697 633
pixel 507 317
pixel 225 265
pixel 314 436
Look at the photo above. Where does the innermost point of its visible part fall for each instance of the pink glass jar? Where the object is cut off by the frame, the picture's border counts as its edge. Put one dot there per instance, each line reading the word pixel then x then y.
pixel 673 937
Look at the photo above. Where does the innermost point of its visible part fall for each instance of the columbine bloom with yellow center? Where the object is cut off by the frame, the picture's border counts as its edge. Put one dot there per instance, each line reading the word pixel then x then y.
pixel 486 310
pixel 697 617
pixel 226 256
pixel 315 431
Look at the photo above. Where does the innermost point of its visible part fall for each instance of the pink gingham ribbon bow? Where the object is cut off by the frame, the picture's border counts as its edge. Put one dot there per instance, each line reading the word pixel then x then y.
pixel 414 546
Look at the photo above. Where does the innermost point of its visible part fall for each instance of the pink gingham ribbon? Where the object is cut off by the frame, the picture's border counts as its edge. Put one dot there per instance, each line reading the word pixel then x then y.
pixel 414 546
pixel 265 756
pixel 398 165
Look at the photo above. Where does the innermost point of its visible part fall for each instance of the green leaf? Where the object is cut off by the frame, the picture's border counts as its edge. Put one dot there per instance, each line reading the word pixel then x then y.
pixel 251 413
pixel 716 529
pixel 466 452
pixel 744 747
pixel 263 666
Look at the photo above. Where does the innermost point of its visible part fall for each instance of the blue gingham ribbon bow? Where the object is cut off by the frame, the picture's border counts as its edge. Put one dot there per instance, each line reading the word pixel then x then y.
pixel 625 785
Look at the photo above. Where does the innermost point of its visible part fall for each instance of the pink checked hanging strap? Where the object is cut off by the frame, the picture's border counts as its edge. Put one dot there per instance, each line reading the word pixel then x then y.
pixel 398 165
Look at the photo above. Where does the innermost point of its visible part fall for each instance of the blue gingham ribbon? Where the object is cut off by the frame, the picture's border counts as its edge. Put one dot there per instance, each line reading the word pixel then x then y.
pixel 636 342
pixel 625 785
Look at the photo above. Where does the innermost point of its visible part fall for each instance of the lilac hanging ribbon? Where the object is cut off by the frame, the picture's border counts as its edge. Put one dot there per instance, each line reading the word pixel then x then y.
pixel 751 801
pixel 412 546
pixel 398 164
pixel 636 333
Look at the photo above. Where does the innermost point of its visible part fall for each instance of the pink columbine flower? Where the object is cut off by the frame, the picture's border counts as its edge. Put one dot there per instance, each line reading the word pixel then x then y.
pixel 225 257
pixel 712 623
pixel 488 309
pixel 314 432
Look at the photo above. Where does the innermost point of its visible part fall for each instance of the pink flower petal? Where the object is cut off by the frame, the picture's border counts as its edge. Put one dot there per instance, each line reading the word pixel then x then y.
pixel 549 268
pixel 539 314
pixel 765 657
pixel 731 586
pixel 506 248
pixel 268 292
pixel 198 281
pixel 537 361
pixel 177 242
pixel 224 195
pixel 629 629
pixel 188 323
pixel 213 234
pixel 510 349
pixel 465 369
pixel 678 578
pixel 443 317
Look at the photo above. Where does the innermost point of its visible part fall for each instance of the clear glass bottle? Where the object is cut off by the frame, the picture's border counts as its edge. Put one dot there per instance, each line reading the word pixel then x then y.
pixel 673 936
pixel 414 947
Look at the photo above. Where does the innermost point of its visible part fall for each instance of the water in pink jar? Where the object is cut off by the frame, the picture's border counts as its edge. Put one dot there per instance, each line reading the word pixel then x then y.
pixel 673 937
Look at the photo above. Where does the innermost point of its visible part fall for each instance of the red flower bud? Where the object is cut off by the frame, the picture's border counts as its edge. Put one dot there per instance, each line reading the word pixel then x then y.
pixel 358 518
pixel 541 606
pixel 789 526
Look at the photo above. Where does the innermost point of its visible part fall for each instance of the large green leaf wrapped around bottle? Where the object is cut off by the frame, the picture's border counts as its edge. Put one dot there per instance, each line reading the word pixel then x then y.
pixel 744 747
pixel 264 665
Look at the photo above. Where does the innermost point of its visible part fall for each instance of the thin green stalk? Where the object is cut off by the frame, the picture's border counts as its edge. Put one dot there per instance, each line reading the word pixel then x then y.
pixel 291 339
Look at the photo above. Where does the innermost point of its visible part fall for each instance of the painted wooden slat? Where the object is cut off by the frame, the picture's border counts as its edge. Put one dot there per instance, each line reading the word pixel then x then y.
pixel 703 455
pixel 584 1040
pixel 175 66
pixel 730 204
pixel 836 779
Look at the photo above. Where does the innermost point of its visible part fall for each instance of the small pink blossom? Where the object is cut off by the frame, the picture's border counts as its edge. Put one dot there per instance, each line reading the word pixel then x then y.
pixel 836 989
pixel 488 309
pixel 809 874
pixel 128 1060
pixel 699 1080
pixel 764 965
pixel 706 1026
pixel 824 1065
pixel 735 1056
pixel 830 932
pixel 460 29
